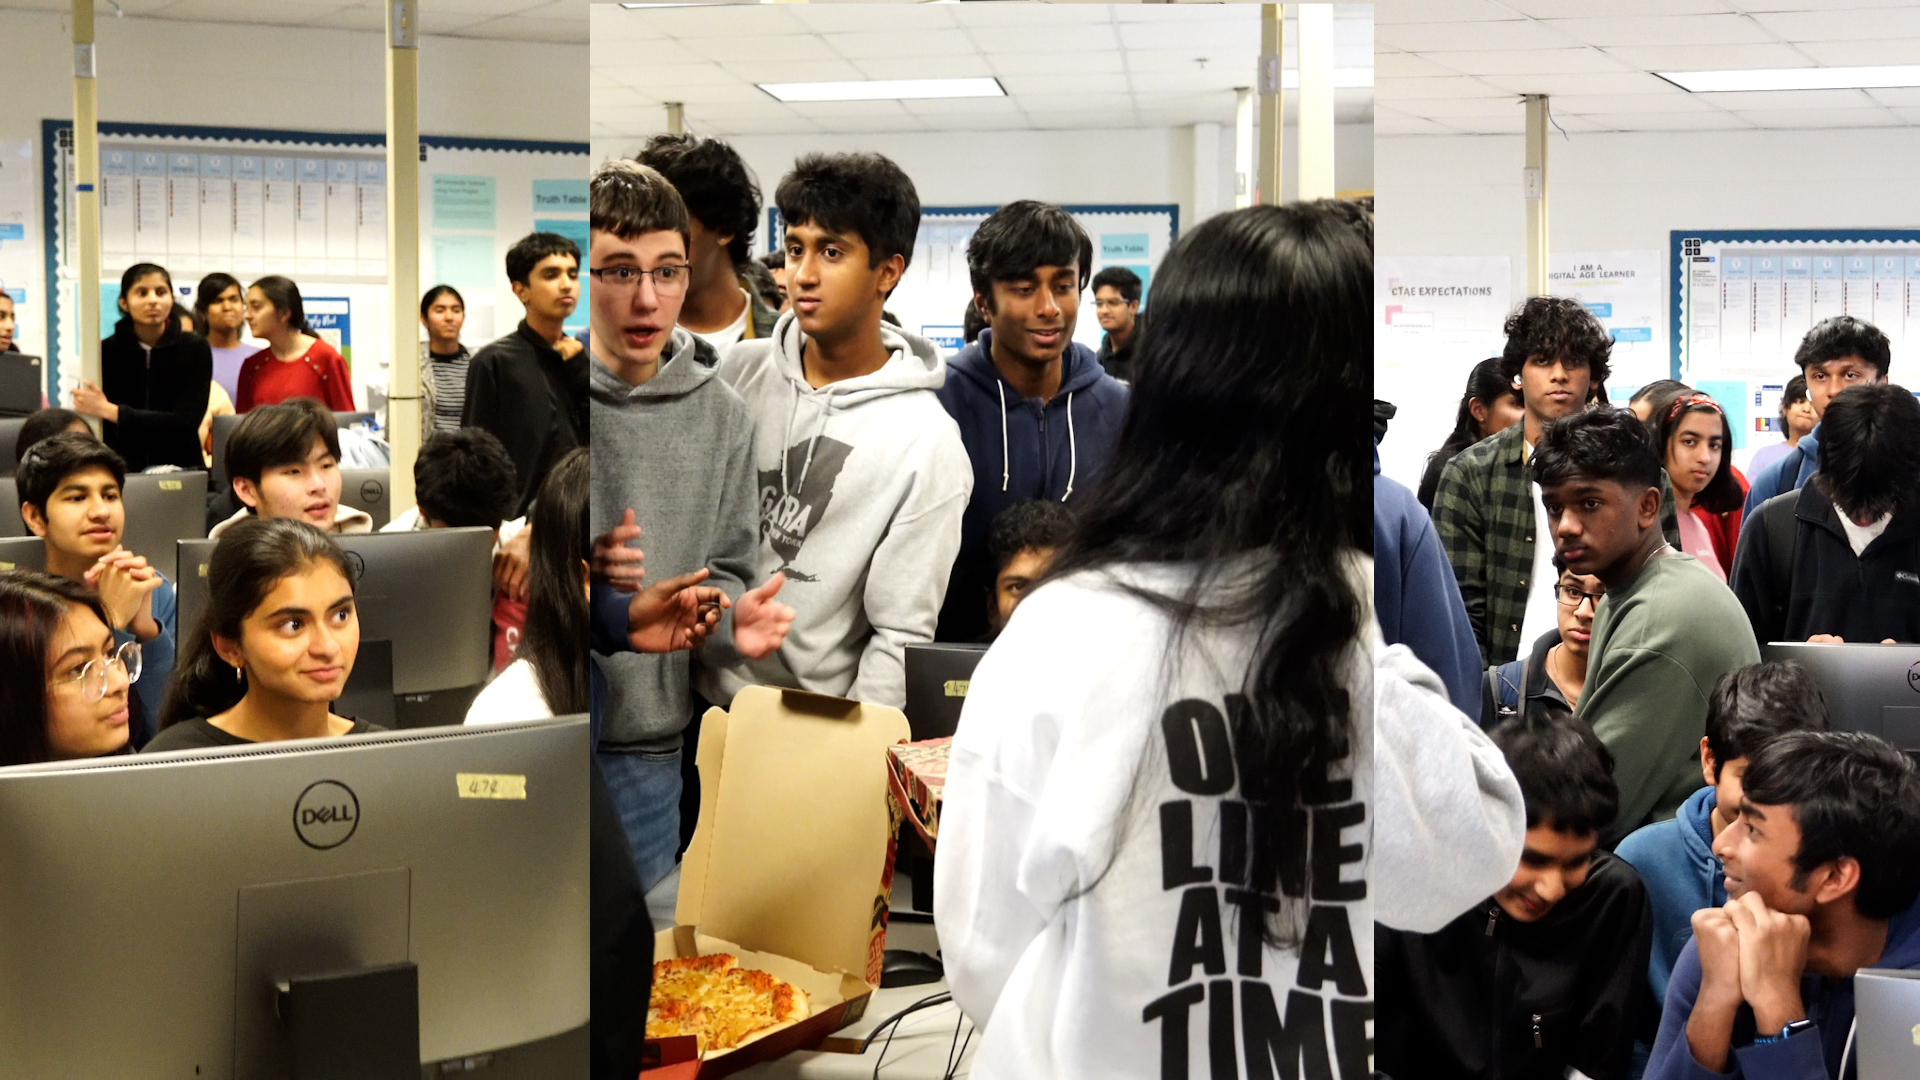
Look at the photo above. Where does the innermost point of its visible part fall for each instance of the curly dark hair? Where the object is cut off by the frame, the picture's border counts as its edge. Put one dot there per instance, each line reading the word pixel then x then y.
pixel 1559 328
pixel 1844 335
pixel 718 188
pixel 1598 445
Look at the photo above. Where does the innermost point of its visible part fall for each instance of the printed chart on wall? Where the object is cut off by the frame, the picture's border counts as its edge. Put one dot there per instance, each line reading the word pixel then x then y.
pixel 309 206
pixel 1435 317
pixel 931 300
pixel 1622 290
pixel 1742 300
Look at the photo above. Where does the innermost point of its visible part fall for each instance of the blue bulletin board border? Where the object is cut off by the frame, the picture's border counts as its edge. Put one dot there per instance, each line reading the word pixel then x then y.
pixel 1677 261
pixel 50 134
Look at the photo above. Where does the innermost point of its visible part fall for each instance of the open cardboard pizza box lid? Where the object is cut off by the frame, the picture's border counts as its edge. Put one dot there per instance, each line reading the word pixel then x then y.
pixel 793 854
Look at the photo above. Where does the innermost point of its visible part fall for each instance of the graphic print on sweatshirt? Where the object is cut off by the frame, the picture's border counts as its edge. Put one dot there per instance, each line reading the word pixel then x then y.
pixel 1319 1028
pixel 787 516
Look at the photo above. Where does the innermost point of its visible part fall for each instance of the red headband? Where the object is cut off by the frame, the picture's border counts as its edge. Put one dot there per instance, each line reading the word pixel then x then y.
pixel 1688 401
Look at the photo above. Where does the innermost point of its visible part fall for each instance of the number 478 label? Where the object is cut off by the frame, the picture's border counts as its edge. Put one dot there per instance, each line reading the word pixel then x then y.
pixel 491 786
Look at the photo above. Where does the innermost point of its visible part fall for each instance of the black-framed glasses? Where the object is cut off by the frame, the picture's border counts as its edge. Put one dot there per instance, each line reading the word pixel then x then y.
pixel 667 280
pixel 1571 596
pixel 92 676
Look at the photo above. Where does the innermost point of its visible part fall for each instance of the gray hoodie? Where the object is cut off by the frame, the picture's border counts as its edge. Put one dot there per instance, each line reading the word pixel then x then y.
pixel 677 449
pixel 861 484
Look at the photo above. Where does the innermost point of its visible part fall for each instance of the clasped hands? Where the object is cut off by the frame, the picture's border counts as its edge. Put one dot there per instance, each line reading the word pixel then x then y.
pixel 1752 953
pixel 126 584
pixel 679 612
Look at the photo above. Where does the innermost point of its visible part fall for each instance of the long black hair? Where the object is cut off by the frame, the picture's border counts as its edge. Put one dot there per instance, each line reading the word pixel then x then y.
pixel 284 295
pixel 32 605
pixel 1722 493
pixel 554 637
pixel 250 559
pixel 1246 446
pixel 1486 385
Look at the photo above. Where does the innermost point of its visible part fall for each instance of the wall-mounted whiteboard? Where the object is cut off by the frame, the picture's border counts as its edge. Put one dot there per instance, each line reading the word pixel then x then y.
pixel 931 300
pixel 311 206
pixel 1742 300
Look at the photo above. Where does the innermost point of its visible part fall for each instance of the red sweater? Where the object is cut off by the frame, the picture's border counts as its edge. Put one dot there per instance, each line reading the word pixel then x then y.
pixel 319 373
pixel 1723 529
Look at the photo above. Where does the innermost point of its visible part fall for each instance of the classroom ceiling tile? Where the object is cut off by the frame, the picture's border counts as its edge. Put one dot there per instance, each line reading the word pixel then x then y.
pixel 1406 125
pixel 1634 103
pixel 663 80
pixel 1904 50
pixel 840 18
pixel 1874 24
pixel 522 28
pixel 1574 61
pixel 1664 30
pixel 966 66
pixel 716 20
pixel 1404 65
pixel 1488 125
pixel 1898 97
pixel 1035 104
pixel 1041 62
pixel 1668 121
pixel 1438 108
pixel 1453 86
pixel 890 43
pixel 757 47
pixel 792 71
pixel 962 107
pixel 1028 16
pixel 1066 86
pixel 1622 82
pixel 1571 9
pixel 1060 40
pixel 1433 37
pixel 1710 57
pixel 1820 119
pixel 1768 100
pixel 1393 13
pixel 657 52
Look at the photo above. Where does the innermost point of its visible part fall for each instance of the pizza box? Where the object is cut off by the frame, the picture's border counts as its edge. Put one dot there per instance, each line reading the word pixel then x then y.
pixel 791 864
pixel 917 777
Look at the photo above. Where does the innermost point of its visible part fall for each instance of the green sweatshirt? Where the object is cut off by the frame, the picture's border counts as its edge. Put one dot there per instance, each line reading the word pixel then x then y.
pixel 1660 642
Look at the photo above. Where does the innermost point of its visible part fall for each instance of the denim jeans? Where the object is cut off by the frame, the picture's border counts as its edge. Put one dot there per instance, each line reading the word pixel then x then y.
pixel 646 793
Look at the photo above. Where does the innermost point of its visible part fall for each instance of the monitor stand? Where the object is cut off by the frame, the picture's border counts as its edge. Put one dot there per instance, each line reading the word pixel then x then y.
pixel 356 1025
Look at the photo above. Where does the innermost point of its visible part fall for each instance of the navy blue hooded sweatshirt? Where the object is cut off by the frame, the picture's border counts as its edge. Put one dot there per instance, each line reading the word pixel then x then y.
pixel 1415 597
pixel 1021 448
pixel 1809 1055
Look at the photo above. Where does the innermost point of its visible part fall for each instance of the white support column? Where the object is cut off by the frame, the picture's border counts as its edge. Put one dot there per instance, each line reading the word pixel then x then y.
pixel 1534 183
pixel 1271 112
pixel 676 118
pixel 1244 180
pixel 1314 119
pixel 86 199
pixel 1206 172
pixel 403 243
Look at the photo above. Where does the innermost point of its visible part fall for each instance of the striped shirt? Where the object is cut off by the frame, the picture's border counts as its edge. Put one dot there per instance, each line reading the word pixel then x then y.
pixel 444 381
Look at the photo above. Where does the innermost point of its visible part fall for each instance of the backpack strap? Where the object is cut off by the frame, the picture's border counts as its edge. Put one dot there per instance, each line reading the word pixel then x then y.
pixel 1778 517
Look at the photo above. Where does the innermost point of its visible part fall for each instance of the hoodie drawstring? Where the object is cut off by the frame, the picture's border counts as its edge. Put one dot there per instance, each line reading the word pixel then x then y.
pixel 1005 464
pixel 1073 450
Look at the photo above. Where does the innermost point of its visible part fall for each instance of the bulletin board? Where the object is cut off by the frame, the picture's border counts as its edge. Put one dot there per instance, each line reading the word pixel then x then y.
pixel 311 206
pixel 932 298
pixel 1741 301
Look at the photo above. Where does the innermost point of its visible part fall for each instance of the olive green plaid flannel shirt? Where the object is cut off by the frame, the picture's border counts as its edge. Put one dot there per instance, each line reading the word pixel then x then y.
pixel 1483 511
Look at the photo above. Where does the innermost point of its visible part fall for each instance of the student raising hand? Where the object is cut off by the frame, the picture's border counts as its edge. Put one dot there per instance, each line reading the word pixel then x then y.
pixel 126 585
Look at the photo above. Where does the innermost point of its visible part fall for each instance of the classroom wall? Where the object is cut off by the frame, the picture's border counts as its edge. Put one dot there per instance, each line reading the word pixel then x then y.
pixel 1461 195
pixel 975 168
pixel 232 75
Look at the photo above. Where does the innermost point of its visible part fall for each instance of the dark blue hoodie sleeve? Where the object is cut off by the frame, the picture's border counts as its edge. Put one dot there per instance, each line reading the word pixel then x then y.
pixel 609 626
pixel 1415 596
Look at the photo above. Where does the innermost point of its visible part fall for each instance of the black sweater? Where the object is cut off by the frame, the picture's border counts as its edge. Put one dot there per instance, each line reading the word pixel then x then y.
pixel 1829 590
pixel 1489 998
pixel 535 403
pixel 162 396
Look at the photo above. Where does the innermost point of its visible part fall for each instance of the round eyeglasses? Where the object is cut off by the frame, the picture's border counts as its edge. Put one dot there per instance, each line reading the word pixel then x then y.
pixel 92 676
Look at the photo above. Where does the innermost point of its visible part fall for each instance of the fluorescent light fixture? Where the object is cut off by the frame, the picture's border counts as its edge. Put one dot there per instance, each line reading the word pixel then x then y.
pixel 885 89
pixel 1808 78
pixel 1343 78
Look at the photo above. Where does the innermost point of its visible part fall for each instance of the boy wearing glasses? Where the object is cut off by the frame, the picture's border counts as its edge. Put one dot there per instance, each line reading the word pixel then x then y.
pixel 1668 630
pixel 70 497
pixel 1548 681
pixel 1116 303
pixel 1037 413
pixel 673 455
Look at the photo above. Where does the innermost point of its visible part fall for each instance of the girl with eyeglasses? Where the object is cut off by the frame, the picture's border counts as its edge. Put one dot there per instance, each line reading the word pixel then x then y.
pixel 63 684
pixel 1696 441
pixel 276 644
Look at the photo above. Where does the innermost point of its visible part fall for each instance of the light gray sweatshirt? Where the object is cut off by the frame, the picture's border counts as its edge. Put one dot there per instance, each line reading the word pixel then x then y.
pixel 861 487
pixel 678 450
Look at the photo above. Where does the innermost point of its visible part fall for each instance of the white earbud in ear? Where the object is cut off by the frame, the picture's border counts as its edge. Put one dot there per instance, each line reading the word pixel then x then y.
pixel 1516 382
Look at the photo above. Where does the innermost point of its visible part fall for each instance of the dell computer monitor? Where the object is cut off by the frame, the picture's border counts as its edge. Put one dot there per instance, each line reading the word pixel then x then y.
pixel 368 490
pixel 937 677
pixel 1870 688
pixel 429 592
pixel 152 903
pixel 22 384
pixel 161 509
pixel 9 437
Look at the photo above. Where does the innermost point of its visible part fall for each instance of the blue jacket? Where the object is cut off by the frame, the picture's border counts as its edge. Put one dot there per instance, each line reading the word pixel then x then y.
pixel 1675 858
pixel 1021 448
pixel 1414 594
pixel 1810 1055
pixel 156 664
pixel 1773 480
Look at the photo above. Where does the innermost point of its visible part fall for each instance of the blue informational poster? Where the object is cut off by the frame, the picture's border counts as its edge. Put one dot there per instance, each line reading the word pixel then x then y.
pixel 463 202
pixel 332 322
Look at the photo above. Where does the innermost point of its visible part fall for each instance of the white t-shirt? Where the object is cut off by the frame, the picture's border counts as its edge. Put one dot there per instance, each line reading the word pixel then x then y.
pixel 514 694
pixel 1087 919
pixel 1859 536
pixel 726 336
pixel 1541 616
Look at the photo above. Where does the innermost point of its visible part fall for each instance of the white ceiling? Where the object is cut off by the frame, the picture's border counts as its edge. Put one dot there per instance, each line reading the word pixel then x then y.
pixel 558 21
pixel 1064 66
pixel 1459 66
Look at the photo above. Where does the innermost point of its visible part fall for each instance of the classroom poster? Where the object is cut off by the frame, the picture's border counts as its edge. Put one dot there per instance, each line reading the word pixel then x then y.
pixel 1435 317
pixel 1623 290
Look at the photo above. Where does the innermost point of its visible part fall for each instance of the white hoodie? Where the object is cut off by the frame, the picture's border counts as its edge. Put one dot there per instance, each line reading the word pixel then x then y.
pixel 1091 912
pixel 862 486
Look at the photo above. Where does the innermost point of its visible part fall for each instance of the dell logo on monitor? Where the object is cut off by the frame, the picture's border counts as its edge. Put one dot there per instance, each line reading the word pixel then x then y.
pixel 1913 677
pixel 326 814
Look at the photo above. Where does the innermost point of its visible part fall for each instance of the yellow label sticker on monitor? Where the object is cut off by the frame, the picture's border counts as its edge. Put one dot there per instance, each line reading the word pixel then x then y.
pixel 491 786
pixel 957 687
pixel 8 566
pixel 169 485
pixel 203 569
